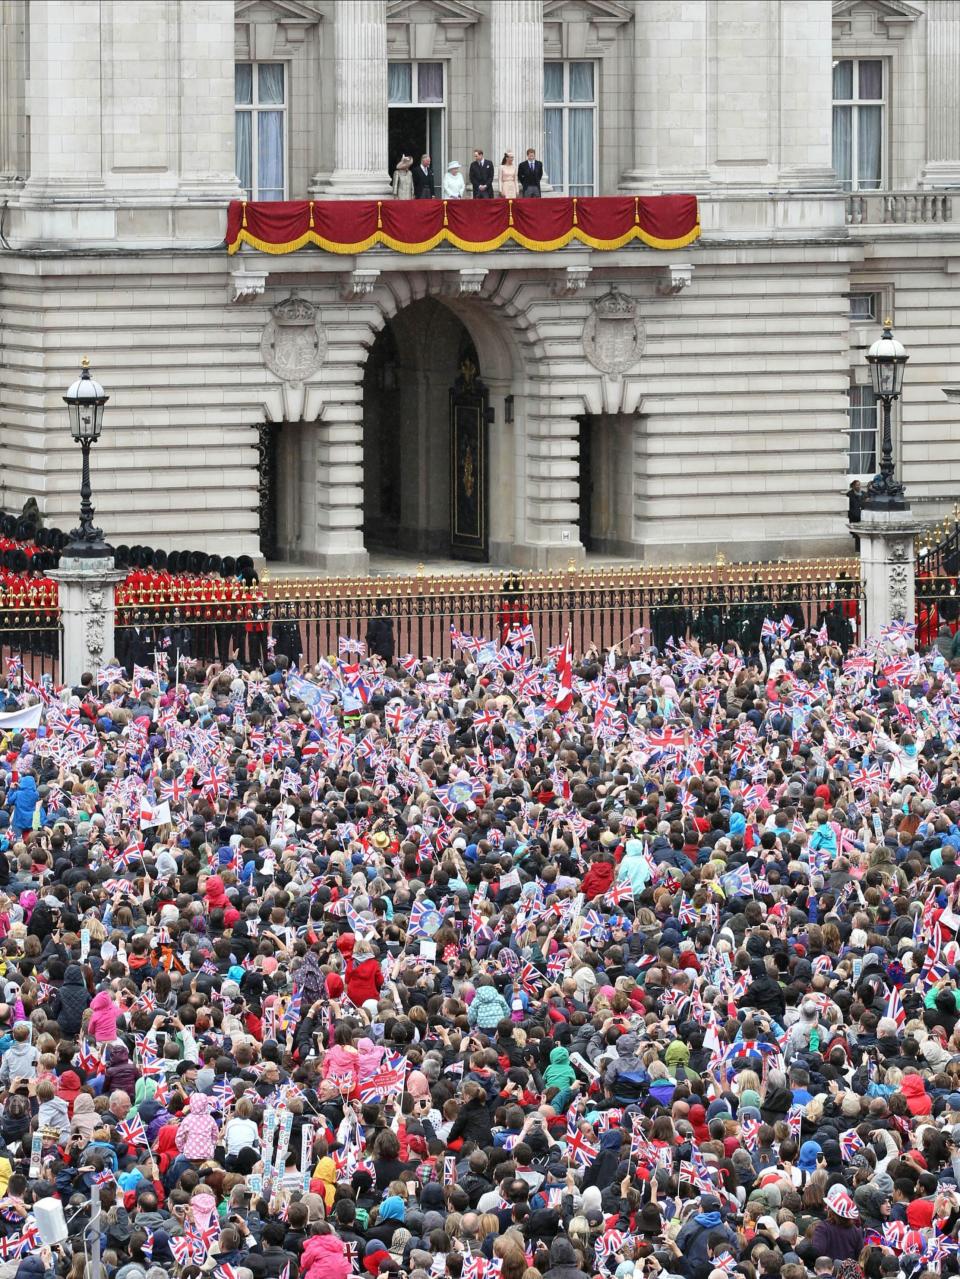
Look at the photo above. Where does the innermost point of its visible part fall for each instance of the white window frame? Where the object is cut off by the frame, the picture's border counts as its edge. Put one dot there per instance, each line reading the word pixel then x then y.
pixel 873 317
pixel 255 108
pixel 566 106
pixel 855 102
pixel 439 162
pixel 857 426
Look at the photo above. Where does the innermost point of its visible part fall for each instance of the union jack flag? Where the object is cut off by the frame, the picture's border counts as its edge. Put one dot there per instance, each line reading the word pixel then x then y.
pixel 582 1151
pixel 132 1131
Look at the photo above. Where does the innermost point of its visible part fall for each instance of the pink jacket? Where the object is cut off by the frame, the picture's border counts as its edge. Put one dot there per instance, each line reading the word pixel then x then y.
pixel 341 1062
pixel 103 1018
pixel 371 1058
pixel 324 1257
pixel 198 1133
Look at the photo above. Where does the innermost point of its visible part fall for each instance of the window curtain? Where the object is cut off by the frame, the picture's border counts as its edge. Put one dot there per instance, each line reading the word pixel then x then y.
pixel 399 82
pixel 869 147
pixel 862 458
pixel 270 84
pixel 270 155
pixel 581 151
pixel 581 81
pixel 843 145
pixel 244 122
pixel 553 146
pixel 430 82
pixel 553 81
pixel 243 84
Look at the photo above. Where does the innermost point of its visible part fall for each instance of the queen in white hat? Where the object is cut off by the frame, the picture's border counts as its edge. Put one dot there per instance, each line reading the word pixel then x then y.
pixel 453 183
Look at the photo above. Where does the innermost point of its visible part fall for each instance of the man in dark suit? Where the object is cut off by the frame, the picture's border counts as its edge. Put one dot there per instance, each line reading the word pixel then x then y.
pixel 530 174
pixel 481 177
pixel 423 180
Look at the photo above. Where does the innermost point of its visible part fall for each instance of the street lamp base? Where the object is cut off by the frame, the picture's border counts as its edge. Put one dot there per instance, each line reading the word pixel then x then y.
pixel 80 548
pixel 884 493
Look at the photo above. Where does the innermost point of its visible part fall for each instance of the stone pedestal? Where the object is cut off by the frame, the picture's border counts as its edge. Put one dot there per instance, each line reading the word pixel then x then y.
pixel 887 566
pixel 87 589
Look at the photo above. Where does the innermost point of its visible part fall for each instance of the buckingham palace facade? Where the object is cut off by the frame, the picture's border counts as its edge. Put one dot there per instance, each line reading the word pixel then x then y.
pixel 638 399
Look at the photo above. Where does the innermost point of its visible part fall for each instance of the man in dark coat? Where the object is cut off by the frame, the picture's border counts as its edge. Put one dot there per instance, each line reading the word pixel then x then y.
pixel 423 188
pixel 380 635
pixel 530 174
pixel 481 177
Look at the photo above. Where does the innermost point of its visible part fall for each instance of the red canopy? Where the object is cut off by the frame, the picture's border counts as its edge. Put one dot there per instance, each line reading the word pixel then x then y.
pixel 416 226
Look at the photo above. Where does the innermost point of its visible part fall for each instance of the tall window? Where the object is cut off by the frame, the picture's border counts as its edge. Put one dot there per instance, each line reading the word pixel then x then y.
pixel 864 419
pixel 858 123
pixel 261 130
pixel 416 94
pixel 570 126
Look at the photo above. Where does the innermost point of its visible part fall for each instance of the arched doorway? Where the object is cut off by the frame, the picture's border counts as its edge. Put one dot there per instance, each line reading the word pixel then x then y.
pixel 426 448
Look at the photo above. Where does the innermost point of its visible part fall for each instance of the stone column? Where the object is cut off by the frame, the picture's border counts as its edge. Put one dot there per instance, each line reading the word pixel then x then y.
pixel 887 566
pixel 87 613
pixel 670 97
pixel 14 162
pixel 207 149
pixel 806 101
pixel 943 95
pixel 360 52
pixel 65 108
pixel 550 489
pixel 516 82
pixel 339 490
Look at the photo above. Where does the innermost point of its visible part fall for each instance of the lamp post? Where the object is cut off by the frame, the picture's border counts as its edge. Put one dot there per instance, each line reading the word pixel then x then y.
pixel 85 400
pixel 887 359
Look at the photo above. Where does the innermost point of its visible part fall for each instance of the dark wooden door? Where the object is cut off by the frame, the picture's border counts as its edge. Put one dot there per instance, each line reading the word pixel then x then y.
pixel 469 465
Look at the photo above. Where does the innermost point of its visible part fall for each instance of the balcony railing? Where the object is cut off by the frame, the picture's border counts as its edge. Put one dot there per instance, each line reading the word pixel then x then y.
pixel 904 208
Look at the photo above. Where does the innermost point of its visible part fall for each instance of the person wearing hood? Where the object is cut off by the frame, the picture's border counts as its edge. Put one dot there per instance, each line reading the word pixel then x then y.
pixel 635 867
pixel 392 1215
pixel 70 1002
pixel 198 1133
pixel 559 1073
pixel 563 1261
pixel 696 1236
pixel 324 1256
pixel 24 797
pixel 102 1023
pixel 777 1098
pixel 487 1007
pixel 916 1096
pixel 121 1073
pixel 216 897
pixel 626 1077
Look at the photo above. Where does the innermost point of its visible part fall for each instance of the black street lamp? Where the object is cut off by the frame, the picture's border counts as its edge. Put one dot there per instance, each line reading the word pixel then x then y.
pixel 85 401
pixel 887 359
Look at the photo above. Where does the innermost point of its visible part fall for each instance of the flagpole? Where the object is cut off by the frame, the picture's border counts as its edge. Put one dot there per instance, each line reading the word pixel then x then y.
pixel 96 1271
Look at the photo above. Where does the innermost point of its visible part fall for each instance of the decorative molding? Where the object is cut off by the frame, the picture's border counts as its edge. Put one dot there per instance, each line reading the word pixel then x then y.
pixel 453 16
pixel 471 280
pixel 573 280
pixel 293 11
pixel 890 17
pixel 675 278
pixel 247 285
pixel 613 335
pixel 293 343
pixel 359 283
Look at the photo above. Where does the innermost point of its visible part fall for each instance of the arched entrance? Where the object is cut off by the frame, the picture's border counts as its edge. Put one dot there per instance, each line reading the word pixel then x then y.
pixel 427 426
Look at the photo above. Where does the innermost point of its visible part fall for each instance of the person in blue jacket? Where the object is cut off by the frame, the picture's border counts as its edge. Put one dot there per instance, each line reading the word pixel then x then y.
pixel 24 797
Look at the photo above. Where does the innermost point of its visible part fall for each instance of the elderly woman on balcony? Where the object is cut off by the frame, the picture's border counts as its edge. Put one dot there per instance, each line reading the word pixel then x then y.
pixel 453 183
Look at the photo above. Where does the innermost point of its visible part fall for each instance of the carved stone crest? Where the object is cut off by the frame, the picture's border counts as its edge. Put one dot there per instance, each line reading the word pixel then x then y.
pixel 613 336
pixel 293 343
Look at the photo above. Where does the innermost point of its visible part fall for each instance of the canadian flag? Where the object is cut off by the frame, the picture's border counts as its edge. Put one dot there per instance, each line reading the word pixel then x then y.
pixel 151 815
pixel 564 696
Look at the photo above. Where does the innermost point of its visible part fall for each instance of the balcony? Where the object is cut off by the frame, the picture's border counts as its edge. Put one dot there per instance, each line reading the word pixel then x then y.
pixel 898 208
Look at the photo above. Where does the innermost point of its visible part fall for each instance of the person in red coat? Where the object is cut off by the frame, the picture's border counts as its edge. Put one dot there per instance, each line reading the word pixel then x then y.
pixel 364 976
pixel 599 877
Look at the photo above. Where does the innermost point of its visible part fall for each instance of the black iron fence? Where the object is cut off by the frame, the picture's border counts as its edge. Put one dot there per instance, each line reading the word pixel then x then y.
pixel 307 619
pixel 935 585
pixel 29 643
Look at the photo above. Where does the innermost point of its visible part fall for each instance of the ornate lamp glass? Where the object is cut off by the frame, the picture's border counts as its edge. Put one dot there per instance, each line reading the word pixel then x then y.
pixel 85 401
pixel 887 359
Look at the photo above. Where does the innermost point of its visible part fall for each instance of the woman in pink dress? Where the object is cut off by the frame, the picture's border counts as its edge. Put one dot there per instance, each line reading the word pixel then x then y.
pixel 508 178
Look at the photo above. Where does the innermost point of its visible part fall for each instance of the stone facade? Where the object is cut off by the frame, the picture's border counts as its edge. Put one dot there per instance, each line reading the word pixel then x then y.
pixel 718 421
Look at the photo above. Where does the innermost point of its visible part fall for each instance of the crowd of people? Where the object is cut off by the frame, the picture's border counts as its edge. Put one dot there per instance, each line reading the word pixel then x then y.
pixel 637 964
